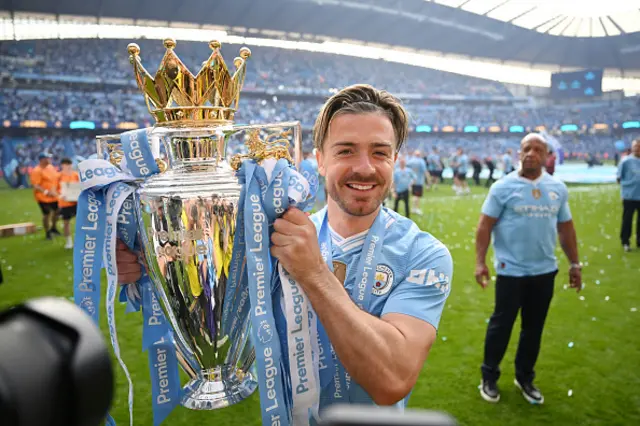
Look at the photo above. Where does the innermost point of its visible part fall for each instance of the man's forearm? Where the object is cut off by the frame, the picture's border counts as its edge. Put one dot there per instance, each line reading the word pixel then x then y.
pixel 483 238
pixel 370 349
pixel 569 243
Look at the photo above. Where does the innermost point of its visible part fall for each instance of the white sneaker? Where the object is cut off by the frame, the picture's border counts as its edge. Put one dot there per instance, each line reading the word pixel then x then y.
pixel 627 248
pixel 69 244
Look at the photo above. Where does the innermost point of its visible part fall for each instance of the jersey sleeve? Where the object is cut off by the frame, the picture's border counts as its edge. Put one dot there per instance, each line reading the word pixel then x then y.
pixel 564 214
pixel 422 294
pixel 493 205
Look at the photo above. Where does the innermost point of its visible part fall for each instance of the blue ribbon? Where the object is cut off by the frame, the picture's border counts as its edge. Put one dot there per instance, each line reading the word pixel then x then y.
pixel 90 241
pixel 273 404
pixel 361 296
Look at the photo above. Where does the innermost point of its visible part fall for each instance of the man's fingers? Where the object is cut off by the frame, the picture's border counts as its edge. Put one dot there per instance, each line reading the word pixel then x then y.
pixel 296 216
pixel 126 256
pixel 126 268
pixel 281 240
pixel 284 226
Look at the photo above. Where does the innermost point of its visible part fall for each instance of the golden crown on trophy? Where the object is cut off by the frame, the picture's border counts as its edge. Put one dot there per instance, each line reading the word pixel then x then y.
pixel 175 97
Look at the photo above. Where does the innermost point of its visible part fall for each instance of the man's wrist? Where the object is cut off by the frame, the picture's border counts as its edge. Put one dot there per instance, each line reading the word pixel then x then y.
pixel 575 265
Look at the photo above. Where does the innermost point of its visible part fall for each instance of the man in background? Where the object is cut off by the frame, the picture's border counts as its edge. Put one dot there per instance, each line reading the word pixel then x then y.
pixel 69 190
pixel 434 164
pixel 507 162
pixel 477 169
pixel 419 169
pixel 403 178
pixel 629 179
pixel 550 166
pixel 461 172
pixel 44 179
pixel 526 211
pixel 491 165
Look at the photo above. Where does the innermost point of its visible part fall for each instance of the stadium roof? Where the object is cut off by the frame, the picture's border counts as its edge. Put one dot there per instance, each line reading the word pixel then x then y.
pixel 571 18
pixel 426 26
pixel 471 27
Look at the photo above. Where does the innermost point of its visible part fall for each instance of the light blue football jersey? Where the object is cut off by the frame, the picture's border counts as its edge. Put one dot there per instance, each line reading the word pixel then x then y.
pixel 508 163
pixel 463 164
pixel 402 179
pixel 528 212
pixel 419 168
pixel 433 161
pixel 629 175
pixel 413 276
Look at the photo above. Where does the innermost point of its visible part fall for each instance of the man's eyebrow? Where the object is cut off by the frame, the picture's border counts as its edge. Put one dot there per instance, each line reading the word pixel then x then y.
pixel 378 144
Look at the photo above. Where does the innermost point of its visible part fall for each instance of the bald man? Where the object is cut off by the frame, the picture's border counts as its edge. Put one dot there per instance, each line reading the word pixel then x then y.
pixel 526 212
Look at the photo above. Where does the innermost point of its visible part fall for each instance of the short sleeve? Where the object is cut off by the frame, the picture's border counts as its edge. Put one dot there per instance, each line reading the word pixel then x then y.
pixel 36 177
pixel 564 214
pixel 422 294
pixel 492 206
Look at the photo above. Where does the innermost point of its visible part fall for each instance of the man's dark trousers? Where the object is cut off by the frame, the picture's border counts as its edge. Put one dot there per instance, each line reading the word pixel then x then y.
pixel 531 296
pixel 404 196
pixel 628 208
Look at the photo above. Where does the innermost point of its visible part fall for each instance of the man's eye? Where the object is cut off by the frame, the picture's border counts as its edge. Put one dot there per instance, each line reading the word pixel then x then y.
pixel 382 153
pixel 344 152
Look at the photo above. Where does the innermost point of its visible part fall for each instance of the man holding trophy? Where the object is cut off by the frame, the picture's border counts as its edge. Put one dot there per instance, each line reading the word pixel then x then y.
pixel 377 283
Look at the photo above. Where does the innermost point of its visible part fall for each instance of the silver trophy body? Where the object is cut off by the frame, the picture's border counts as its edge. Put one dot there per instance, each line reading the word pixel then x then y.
pixel 186 225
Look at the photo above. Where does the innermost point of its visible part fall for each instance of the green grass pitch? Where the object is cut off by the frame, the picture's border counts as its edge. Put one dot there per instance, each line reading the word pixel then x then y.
pixel 601 369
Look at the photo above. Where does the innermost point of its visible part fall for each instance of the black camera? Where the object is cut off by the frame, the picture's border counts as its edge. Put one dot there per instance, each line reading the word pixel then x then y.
pixel 55 368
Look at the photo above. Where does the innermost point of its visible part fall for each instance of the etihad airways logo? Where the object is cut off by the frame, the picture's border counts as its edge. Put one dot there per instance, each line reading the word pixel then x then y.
pixel 429 277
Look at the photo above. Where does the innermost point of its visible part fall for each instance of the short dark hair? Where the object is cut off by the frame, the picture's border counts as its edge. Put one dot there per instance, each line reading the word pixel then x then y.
pixel 66 160
pixel 362 99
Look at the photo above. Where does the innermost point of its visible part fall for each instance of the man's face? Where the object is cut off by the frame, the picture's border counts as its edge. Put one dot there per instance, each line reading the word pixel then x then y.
pixel 357 161
pixel 44 162
pixel 66 168
pixel 533 154
pixel 635 149
pixel 402 162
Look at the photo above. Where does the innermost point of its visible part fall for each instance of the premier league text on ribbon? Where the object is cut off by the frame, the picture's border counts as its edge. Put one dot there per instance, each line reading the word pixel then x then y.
pixel 299 355
pixel 88 250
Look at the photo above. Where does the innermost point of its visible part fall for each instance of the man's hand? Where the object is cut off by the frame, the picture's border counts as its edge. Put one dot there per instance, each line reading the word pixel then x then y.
pixel 295 245
pixel 128 267
pixel 575 278
pixel 482 274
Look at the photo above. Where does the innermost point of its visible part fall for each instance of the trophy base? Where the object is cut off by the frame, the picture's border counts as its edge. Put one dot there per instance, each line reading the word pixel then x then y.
pixel 209 391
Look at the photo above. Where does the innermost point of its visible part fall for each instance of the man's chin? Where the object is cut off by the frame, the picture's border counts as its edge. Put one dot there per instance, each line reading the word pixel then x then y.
pixel 359 208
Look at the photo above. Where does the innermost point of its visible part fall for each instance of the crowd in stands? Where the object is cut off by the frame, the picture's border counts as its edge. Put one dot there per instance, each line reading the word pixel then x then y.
pixel 276 70
pixel 269 68
pixel 120 106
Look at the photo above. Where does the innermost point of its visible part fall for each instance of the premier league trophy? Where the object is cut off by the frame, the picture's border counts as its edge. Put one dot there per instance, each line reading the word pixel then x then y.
pixel 187 216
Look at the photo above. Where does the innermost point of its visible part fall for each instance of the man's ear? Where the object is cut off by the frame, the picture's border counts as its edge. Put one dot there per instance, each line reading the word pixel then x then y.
pixel 320 160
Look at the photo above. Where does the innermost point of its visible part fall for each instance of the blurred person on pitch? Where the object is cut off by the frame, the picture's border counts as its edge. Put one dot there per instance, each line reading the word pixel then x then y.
pixel 462 166
pixel 403 179
pixel 507 162
pixel 358 134
pixel 526 211
pixel 491 165
pixel 69 189
pixel 44 179
pixel 419 168
pixel 434 164
pixel 550 166
pixel 628 177
pixel 477 169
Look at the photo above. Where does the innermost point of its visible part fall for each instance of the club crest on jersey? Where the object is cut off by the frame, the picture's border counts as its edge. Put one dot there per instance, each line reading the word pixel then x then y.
pixel 536 193
pixel 553 196
pixel 383 280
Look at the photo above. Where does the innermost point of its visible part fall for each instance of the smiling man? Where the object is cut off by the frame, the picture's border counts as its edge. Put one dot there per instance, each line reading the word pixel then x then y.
pixel 380 284
pixel 526 211
pixel 381 333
